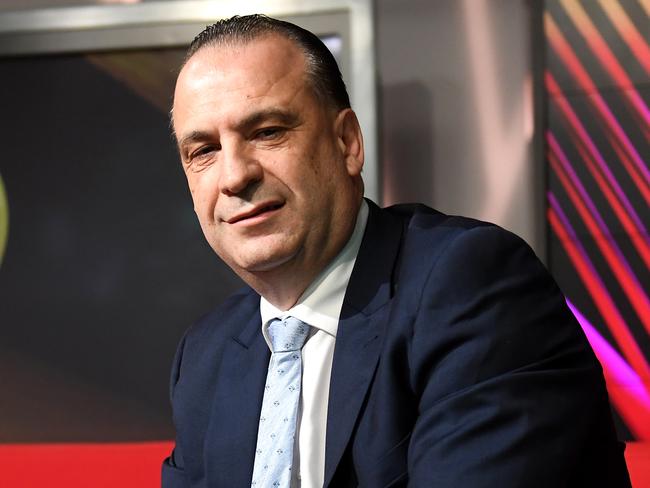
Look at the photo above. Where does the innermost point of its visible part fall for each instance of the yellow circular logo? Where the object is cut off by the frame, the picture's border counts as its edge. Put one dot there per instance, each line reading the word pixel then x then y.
pixel 4 220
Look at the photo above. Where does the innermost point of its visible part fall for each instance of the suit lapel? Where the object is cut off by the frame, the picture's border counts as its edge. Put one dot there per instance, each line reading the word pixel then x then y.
pixel 232 432
pixel 359 337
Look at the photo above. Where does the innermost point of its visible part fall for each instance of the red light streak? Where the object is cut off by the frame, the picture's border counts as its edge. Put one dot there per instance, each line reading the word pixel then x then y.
pixel 597 290
pixel 601 50
pixel 608 185
pixel 599 231
pixel 571 61
pixel 640 244
pixel 631 169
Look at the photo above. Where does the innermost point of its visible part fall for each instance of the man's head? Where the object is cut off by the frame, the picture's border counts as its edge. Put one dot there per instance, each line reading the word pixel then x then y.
pixel 273 161
pixel 321 68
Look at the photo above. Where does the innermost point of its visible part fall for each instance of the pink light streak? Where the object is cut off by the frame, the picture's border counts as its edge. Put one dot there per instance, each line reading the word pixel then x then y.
pixel 596 288
pixel 628 393
pixel 599 230
pixel 630 168
pixel 573 64
pixel 608 185
pixel 637 239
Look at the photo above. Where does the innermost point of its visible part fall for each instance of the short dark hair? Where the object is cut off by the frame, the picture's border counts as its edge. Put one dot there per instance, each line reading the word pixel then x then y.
pixel 322 70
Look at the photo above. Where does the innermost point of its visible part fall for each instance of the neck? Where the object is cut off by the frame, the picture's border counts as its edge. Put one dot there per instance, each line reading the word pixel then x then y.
pixel 283 285
pixel 283 292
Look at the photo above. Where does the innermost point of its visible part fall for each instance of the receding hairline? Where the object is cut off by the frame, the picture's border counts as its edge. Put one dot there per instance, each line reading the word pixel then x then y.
pixel 243 40
pixel 320 64
pixel 252 38
pixel 234 42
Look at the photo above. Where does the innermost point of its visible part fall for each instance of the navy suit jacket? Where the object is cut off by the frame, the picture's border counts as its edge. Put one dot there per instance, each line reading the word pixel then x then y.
pixel 457 364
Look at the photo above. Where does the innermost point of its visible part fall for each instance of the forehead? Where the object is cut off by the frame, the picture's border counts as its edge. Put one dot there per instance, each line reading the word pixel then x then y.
pixel 268 68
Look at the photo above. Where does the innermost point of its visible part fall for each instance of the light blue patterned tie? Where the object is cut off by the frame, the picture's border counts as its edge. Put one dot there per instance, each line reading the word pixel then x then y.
pixel 276 433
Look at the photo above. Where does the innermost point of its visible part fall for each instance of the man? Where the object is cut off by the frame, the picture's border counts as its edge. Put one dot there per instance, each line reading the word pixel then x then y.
pixel 437 350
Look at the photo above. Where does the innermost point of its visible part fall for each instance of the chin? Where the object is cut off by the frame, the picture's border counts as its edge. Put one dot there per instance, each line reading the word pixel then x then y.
pixel 263 262
pixel 259 255
pixel 268 265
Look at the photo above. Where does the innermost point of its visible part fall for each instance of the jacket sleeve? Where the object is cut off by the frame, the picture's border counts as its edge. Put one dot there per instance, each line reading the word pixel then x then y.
pixel 509 392
pixel 173 476
pixel 173 472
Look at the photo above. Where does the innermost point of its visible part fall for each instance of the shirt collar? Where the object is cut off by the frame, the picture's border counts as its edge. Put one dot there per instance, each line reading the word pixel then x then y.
pixel 320 304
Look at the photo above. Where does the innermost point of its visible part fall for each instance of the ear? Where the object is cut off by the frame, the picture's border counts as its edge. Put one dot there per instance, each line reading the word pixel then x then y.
pixel 350 140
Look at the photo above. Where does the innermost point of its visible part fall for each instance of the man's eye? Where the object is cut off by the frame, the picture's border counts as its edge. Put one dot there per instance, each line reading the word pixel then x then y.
pixel 269 133
pixel 202 152
pixel 202 157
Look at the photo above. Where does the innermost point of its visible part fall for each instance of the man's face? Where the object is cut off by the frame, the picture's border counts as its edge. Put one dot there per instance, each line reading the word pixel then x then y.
pixel 269 167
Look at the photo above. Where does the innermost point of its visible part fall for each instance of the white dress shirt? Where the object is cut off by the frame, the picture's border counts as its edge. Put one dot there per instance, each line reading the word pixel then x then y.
pixel 320 307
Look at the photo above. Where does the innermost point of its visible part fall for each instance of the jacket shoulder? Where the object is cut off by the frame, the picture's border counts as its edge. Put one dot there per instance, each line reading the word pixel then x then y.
pixel 432 232
pixel 420 216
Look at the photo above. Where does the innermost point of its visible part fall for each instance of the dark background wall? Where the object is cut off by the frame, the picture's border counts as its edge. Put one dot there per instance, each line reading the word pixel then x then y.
pixel 105 265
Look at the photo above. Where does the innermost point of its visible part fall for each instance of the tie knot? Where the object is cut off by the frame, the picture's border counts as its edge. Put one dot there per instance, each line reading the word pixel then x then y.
pixel 288 334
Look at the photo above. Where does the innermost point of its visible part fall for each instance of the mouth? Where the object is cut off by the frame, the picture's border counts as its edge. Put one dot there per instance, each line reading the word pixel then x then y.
pixel 257 211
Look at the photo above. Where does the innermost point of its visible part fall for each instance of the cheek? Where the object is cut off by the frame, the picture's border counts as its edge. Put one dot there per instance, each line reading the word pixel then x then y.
pixel 204 196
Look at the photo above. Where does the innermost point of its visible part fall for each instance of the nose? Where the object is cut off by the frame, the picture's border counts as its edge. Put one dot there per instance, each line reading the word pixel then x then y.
pixel 239 170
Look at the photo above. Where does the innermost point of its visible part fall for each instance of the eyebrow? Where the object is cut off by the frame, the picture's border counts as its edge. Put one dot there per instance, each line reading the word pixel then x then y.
pixel 194 136
pixel 282 116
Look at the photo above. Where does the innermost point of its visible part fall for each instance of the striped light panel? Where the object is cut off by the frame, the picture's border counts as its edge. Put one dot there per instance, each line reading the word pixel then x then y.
pixel 597 82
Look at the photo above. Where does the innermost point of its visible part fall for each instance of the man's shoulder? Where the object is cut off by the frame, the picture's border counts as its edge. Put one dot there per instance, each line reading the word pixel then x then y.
pixel 430 228
pixel 430 237
pixel 420 216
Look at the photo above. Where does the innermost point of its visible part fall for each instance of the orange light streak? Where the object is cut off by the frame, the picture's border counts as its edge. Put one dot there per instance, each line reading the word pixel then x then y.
pixel 571 61
pixel 595 41
pixel 627 30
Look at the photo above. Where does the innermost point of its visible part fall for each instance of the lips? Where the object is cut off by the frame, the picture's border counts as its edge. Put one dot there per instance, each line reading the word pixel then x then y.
pixel 256 211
